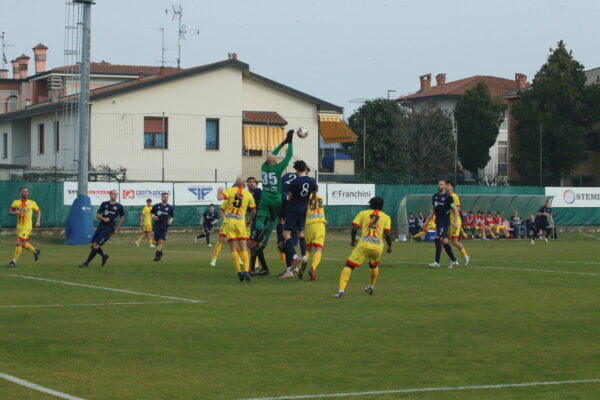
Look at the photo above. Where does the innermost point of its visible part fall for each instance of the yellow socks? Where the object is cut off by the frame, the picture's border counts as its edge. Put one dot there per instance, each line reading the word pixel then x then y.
pixel 316 260
pixel 246 260
pixel 18 251
pixel 236 261
pixel 140 239
pixel 418 235
pixel 346 272
pixel 282 258
pixel 463 252
pixel 374 275
pixel 29 247
pixel 217 249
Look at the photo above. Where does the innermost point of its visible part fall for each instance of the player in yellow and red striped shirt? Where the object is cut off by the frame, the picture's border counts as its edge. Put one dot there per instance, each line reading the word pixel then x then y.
pixel 375 226
pixel 24 209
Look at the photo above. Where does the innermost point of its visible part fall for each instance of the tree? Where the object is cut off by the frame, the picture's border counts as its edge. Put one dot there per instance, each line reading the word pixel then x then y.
pixel 402 146
pixel 554 117
pixel 478 117
pixel 380 117
pixel 425 145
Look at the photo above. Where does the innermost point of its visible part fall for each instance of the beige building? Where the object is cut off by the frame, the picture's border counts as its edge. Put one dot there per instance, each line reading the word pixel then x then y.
pixel 207 123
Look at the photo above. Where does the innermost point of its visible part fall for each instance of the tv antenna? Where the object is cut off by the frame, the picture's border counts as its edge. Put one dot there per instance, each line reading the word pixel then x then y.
pixel 4 46
pixel 177 12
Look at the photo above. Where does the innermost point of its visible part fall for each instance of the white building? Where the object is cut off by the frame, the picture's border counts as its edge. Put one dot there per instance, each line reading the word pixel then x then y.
pixel 445 95
pixel 207 123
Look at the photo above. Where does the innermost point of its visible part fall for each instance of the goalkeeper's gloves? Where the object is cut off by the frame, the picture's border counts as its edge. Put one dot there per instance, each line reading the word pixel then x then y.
pixel 289 137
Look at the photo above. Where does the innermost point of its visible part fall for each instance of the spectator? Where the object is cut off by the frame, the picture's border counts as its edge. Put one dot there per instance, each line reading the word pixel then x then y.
pixel 469 224
pixel 516 222
pixel 502 225
pixel 530 227
pixel 413 226
pixel 420 219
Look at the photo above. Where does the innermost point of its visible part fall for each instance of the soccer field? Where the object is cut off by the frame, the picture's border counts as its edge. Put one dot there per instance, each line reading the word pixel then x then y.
pixel 180 329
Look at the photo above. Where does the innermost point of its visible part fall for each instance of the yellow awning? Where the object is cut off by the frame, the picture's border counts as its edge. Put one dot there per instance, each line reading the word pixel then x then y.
pixel 334 130
pixel 257 137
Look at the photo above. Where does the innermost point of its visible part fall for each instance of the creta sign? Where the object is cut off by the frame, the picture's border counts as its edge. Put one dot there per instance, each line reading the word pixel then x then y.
pixel 574 196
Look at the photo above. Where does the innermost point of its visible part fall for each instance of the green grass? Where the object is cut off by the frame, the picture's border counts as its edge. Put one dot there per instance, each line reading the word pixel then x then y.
pixel 422 328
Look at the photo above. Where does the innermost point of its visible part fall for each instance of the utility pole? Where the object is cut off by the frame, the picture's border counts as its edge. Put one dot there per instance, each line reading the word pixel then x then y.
pixel 84 99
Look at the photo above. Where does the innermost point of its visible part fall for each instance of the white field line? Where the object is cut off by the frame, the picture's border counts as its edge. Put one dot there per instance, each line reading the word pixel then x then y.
pixel 104 288
pixel 474 266
pixel 399 262
pixel 537 270
pixel 39 388
pixel 134 303
pixel 429 389
pixel 595 237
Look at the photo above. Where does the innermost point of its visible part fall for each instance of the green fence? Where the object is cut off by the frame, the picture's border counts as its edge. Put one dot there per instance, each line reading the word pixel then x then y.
pixel 49 196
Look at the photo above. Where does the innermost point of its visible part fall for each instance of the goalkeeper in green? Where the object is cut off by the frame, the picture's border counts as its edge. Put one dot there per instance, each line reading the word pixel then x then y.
pixel 270 200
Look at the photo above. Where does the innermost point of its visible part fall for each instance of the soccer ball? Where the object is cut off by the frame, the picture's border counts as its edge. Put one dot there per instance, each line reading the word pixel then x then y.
pixel 302 132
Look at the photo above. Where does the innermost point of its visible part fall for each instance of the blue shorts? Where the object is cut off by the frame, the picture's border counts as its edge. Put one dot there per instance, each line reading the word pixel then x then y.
pixel 442 231
pixel 207 228
pixel 294 221
pixel 160 233
pixel 102 234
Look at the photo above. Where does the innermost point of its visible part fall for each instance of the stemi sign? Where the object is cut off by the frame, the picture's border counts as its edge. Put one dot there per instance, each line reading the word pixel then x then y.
pixel 574 196
pixel 343 195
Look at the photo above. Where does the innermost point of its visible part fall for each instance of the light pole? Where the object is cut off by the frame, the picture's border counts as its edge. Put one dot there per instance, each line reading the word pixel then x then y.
pixel 390 91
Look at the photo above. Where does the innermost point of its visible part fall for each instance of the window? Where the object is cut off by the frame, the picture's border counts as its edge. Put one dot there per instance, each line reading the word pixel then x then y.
pixel 11 104
pixel 504 123
pixel 212 134
pixel 5 145
pixel 41 139
pixel 503 154
pixel 56 137
pixel 156 133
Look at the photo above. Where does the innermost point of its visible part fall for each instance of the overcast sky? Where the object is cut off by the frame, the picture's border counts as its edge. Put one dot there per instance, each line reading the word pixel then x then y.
pixel 336 50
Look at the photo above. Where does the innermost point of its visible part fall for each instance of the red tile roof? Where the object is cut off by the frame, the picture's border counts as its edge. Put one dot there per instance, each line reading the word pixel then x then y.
pixel 108 68
pixel 263 118
pixel 497 86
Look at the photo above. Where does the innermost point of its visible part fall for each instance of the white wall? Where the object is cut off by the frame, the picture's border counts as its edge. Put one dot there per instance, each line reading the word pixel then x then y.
pixel 68 147
pixel 118 122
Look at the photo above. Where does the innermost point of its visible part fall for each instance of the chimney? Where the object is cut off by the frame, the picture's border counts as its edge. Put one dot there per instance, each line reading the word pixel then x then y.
pixel 232 56
pixel 16 73
pixel 39 55
pixel 521 80
pixel 3 74
pixel 23 66
pixel 440 79
pixel 425 81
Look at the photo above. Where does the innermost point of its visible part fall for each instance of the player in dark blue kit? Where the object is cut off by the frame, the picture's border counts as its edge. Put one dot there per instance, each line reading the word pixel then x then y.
pixel 162 214
pixel 255 251
pixel 542 222
pixel 443 205
pixel 300 191
pixel 111 216
pixel 208 221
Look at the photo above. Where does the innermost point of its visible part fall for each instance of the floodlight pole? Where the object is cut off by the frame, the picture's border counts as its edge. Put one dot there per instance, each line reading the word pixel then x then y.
pixel 84 99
